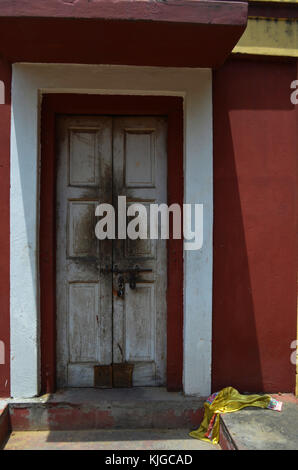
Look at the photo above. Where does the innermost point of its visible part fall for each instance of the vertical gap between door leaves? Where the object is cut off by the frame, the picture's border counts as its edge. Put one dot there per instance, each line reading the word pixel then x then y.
pixel 112 241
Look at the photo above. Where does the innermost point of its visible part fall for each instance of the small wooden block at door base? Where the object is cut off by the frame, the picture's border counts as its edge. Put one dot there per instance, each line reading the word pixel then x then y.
pixel 114 376
pixel 103 377
pixel 122 375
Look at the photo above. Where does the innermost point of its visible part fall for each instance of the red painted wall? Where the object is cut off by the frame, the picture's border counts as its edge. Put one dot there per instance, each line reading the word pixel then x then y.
pixel 254 298
pixel 5 76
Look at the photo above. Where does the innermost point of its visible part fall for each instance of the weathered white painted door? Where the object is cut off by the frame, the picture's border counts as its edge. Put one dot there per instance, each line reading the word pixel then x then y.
pixel 84 295
pixel 139 318
pixel 99 159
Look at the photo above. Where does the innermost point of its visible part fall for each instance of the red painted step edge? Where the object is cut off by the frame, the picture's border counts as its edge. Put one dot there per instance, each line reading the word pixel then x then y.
pixel 5 426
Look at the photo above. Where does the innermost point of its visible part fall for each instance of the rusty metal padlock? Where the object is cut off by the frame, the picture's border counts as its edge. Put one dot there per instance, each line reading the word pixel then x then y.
pixel 121 287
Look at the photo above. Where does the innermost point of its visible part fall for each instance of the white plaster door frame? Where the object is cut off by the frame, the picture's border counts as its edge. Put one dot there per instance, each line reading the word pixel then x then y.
pixel 28 83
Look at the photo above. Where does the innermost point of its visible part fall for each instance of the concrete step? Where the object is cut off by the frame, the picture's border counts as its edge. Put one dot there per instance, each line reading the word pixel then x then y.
pixel 143 418
pixel 259 429
pixel 124 439
pixel 87 409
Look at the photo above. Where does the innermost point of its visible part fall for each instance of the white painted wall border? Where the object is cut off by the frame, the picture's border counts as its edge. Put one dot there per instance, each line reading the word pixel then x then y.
pixel 28 83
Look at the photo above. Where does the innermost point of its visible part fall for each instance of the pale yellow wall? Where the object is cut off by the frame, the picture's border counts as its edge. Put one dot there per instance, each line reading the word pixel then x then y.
pixel 267 36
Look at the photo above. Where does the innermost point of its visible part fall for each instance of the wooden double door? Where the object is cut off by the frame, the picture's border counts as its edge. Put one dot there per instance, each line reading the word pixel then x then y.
pixel 102 317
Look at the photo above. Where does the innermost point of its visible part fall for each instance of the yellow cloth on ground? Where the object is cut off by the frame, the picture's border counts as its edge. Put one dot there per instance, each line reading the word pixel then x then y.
pixel 227 400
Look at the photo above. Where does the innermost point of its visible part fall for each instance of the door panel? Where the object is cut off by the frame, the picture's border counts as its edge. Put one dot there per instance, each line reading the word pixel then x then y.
pixel 84 295
pixel 80 223
pixel 139 318
pixel 99 159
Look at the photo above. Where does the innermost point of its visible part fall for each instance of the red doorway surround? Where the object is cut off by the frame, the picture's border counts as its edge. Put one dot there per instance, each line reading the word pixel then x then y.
pixel 54 104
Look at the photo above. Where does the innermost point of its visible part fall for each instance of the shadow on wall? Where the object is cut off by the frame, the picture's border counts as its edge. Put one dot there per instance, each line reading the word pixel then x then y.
pixel 254 295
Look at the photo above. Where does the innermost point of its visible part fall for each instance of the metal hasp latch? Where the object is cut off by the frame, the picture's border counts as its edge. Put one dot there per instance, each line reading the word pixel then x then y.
pixel 132 276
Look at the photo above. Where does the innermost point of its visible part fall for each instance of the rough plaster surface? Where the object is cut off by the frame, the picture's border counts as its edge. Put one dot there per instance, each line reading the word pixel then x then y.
pixel 81 409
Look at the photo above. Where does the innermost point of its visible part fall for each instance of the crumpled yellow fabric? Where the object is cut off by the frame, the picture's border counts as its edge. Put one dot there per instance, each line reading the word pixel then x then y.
pixel 227 400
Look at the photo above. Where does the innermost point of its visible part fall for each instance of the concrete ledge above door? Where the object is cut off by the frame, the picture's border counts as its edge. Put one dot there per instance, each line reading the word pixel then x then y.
pixel 172 33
